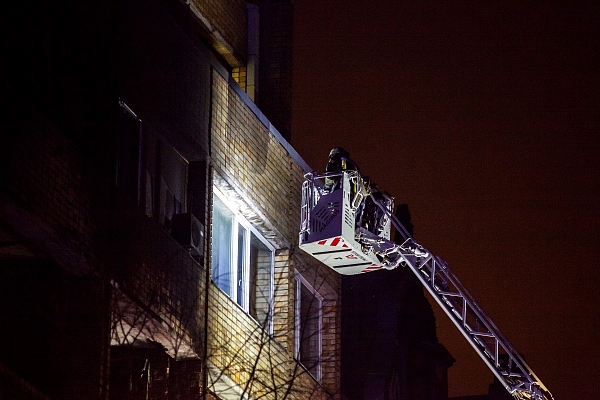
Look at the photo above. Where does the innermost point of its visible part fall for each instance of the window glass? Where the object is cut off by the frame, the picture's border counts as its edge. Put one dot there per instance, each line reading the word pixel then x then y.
pixel 149 170
pixel 242 262
pixel 241 265
pixel 260 280
pixel 129 131
pixel 308 327
pixel 222 251
pixel 150 185
pixel 173 179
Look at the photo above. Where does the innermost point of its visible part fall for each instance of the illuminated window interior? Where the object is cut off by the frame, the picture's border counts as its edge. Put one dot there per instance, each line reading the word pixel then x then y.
pixel 242 261
pixel 239 75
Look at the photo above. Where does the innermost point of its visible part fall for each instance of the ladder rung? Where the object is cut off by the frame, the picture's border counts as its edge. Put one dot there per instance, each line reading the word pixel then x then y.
pixel 452 294
pixel 484 334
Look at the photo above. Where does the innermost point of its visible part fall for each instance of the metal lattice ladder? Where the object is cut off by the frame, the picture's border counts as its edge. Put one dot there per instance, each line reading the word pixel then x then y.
pixel 470 319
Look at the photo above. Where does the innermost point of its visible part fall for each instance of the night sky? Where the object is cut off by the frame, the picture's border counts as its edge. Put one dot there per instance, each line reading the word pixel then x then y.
pixel 485 120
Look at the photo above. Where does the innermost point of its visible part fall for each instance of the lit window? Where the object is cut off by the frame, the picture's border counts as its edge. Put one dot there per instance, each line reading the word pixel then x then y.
pixel 242 261
pixel 308 326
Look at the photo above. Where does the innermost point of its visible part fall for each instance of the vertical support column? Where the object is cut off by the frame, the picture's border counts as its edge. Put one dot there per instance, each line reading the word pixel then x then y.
pixel 253 51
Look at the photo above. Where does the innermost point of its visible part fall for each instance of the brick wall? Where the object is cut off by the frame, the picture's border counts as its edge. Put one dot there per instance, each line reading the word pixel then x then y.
pixel 149 374
pixel 164 76
pixel 250 160
pixel 283 311
pixel 254 162
pixel 326 282
pixel 43 173
pixel 53 330
pixel 66 207
pixel 152 270
pixel 49 199
pixel 254 362
pixel 225 21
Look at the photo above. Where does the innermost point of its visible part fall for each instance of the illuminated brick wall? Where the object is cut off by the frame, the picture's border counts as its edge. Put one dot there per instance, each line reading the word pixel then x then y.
pixel 327 283
pixel 249 159
pixel 61 199
pixel 252 359
pixel 254 161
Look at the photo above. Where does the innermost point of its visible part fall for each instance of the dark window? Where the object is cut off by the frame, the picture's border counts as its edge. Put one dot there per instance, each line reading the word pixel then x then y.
pixel 308 326
pixel 129 144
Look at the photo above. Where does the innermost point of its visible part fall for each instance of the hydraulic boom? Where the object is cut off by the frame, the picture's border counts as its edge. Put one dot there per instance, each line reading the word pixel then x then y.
pixel 335 230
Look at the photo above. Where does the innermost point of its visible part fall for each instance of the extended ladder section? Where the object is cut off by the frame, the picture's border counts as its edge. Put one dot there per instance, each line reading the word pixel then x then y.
pixel 369 248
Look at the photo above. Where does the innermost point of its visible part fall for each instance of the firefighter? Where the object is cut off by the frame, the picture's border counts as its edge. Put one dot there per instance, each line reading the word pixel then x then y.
pixel 339 161
pixel 373 217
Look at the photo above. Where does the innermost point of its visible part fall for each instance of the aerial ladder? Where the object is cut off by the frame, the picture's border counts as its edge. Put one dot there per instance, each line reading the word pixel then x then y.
pixel 347 227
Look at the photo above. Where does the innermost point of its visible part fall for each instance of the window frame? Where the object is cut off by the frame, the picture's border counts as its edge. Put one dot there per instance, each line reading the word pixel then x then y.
pixel 298 281
pixel 238 221
pixel 149 169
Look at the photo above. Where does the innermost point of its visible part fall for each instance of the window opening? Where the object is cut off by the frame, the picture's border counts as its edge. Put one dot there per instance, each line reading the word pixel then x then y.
pixel 173 183
pixel 242 261
pixel 129 157
pixel 149 170
pixel 242 264
pixel 308 335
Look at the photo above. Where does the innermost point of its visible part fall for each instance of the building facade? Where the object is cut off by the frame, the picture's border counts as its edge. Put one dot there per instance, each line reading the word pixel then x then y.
pixel 150 207
pixel 149 217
